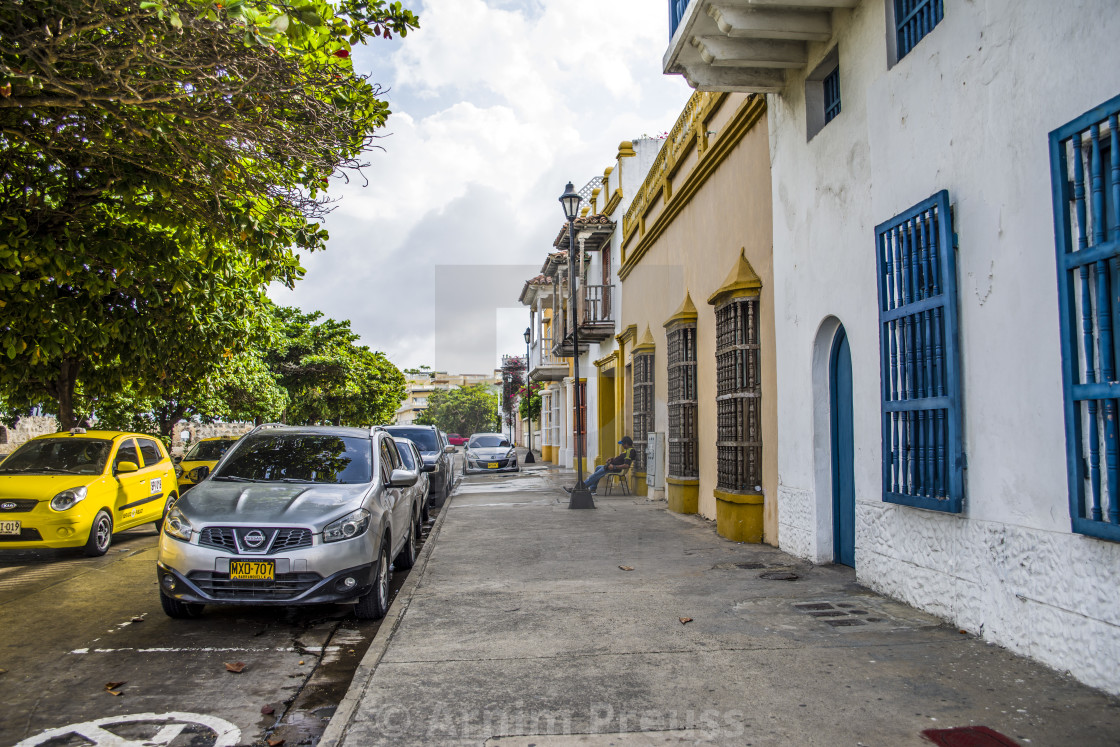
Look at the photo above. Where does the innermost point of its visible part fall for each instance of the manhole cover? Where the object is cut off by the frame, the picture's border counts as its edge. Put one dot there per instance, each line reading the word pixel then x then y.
pixel 779 576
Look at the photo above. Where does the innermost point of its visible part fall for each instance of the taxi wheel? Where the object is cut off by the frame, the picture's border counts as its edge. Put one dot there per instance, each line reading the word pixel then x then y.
pixel 100 534
pixel 375 604
pixel 179 610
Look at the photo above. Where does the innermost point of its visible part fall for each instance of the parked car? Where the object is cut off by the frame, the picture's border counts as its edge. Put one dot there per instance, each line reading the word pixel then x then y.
pixel 413 460
pixel 436 452
pixel 490 452
pixel 75 489
pixel 291 516
pixel 456 440
pixel 206 453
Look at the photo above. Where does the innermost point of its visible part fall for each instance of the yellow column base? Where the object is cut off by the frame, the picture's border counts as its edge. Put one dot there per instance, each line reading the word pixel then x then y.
pixel 639 484
pixel 548 453
pixel 683 495
pixel 739 516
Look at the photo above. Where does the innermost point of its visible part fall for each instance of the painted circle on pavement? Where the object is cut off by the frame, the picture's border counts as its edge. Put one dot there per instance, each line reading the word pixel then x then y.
pixel 101 732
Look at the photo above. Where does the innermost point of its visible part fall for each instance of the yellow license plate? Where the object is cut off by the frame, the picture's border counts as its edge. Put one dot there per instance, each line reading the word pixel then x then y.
pixel 253 570
pixel 9 527
pixel 491 465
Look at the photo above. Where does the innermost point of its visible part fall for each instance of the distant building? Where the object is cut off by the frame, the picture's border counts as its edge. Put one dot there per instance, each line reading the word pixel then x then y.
pixel 419 386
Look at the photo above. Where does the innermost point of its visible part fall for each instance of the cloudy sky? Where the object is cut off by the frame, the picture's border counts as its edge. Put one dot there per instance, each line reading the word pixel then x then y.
pixel 496 105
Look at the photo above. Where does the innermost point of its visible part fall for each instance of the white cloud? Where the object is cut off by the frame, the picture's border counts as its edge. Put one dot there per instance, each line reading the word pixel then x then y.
pixel 496 105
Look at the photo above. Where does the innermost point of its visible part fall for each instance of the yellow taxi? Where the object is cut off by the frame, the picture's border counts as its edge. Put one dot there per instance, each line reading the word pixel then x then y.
pixel 205 453
pixel 75 489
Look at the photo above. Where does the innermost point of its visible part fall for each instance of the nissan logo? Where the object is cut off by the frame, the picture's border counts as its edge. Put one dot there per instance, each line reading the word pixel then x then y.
pixel 7 506
pixel 254 538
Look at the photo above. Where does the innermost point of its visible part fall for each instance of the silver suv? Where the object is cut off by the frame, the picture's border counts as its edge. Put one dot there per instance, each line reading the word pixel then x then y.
pixel 292 515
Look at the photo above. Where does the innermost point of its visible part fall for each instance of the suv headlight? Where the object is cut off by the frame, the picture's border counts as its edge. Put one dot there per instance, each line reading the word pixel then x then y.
pixel 177 526
pixel 67 498
pixel 348 527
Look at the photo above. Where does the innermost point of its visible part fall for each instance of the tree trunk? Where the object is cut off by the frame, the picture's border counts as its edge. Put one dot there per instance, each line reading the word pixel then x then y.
pixel 64 386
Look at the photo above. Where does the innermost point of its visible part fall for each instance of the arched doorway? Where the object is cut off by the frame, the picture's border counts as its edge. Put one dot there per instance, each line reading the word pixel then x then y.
pixel 843 452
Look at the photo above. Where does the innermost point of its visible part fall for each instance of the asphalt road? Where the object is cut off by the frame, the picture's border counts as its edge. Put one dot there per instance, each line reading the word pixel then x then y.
pixel 85 639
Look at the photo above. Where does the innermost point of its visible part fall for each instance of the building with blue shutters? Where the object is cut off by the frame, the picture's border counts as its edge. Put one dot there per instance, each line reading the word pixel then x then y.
pixel 946 197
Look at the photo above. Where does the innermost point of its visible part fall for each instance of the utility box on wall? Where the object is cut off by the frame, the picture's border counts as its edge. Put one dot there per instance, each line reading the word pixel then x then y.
pixel 655 460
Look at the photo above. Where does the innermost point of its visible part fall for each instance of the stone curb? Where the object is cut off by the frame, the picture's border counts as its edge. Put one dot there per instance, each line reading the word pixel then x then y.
pixel 336 730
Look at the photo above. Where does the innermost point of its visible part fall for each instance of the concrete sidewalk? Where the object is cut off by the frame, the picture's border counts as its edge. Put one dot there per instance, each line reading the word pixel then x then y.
pixel 518 627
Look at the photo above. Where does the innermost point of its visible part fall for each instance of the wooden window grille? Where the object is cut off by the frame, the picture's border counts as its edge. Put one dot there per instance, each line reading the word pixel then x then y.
pixel 684 461
pixel 643 404
pixel 1085 174
pixel 923 458
pixel 738 397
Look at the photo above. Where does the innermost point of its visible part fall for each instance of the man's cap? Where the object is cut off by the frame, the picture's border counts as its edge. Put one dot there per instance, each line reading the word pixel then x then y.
pixel 626 441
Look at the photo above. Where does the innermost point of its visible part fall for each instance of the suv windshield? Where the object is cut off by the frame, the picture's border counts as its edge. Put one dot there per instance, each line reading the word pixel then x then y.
pixel 299 457
pixel 208 451
pixel 487 442
pixel 77 456
pixel 424 438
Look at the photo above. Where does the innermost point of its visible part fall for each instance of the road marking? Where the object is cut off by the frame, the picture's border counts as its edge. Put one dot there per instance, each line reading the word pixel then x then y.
pixel 208 650
pixel 226 734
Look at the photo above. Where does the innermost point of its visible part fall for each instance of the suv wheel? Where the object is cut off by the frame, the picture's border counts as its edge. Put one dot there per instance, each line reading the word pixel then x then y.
pixel 375 603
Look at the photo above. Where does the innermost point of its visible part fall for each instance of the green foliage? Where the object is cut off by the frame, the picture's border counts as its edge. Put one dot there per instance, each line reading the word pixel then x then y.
pixel 530 404
pixel 161 163
pixel 472 409
pixel 328 378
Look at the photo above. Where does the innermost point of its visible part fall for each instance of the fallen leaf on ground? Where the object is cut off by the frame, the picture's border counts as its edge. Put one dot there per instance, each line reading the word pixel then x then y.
pixel 301 662
pixel 138 619
pixel 267 710
pixel 275 742
pixel 236 667
pixel 113 685
pixel 626 568
pixel 3 671
pixel 114 692
pixel 685 620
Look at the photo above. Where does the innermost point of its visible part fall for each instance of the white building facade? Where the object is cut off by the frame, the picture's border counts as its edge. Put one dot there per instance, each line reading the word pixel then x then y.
pixel 946 357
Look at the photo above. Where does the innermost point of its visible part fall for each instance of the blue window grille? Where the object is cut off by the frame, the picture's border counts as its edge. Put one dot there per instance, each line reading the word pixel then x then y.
pixel 676 13
pixel 913 20
pixel 1085 171
pixel 832 95
pixel 923 455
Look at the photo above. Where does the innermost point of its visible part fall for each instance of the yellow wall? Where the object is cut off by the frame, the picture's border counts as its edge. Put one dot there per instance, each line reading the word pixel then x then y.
pixel 691 243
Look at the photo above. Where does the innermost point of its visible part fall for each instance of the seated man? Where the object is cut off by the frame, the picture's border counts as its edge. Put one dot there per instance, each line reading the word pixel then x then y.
pixel 619 463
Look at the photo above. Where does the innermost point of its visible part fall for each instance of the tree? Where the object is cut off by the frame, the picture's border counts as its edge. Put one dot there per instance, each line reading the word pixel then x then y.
pixel 530 405
pixel 512 381
pixel 160 163
pixel 471 409
pixel 327 377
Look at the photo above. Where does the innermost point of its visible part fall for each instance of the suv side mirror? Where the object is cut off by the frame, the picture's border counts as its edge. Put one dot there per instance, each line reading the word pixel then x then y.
pixel 403 478
pixel 449 449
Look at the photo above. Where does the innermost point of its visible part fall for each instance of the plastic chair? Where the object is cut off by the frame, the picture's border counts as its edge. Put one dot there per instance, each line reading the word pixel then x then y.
pixel 622 478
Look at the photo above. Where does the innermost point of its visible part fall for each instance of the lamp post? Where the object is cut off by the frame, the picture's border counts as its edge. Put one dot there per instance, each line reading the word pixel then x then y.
pixel 570 200
pixel 529 458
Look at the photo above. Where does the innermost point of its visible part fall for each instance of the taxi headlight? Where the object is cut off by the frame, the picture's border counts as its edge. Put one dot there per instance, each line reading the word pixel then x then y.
pixel 348 527
pixel 67 498
pixel 178 470
pixel 177 526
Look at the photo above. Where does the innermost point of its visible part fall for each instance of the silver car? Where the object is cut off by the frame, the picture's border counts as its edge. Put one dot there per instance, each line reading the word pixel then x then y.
pixel 414 460
pixel 489 452
pixel 292 515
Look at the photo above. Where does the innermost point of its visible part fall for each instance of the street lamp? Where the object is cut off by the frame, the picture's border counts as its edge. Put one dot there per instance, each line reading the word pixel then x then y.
pixel 529 458
pixel 581 496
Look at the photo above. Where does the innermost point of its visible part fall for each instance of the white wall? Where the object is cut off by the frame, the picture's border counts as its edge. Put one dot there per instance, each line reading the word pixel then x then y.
pixel 968 110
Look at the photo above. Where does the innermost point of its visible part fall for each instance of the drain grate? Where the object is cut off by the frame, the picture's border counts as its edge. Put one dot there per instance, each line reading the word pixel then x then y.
pixel 779 576
pixel 839 614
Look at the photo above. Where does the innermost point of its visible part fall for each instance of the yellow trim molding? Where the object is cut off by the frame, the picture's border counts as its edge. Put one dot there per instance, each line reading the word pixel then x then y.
pixel 739 516
pixel 749 113
pixel 606 362
pixel 626 335
pixel 626 150
pixel 613 202
pixel 686 314
pixel 646 344
pixel 741 281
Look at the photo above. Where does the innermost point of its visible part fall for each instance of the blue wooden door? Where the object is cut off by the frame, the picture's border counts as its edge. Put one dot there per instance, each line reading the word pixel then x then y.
pixel 843 453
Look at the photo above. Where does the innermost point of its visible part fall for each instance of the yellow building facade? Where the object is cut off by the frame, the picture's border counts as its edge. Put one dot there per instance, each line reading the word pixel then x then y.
pixel 694 364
